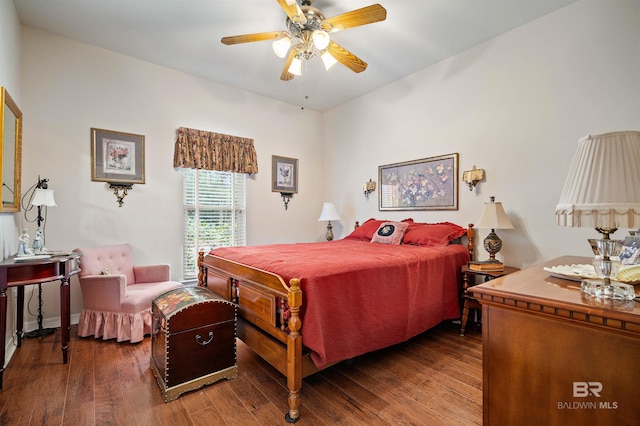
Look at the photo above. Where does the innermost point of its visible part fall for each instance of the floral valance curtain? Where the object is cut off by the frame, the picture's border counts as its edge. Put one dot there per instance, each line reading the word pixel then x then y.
pixel 199 149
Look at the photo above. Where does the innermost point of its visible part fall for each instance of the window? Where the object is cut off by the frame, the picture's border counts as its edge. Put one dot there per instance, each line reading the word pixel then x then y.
pixel 214 213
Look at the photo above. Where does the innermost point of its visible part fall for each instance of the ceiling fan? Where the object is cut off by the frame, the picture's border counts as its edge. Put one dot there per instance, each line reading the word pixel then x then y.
pixel 307 36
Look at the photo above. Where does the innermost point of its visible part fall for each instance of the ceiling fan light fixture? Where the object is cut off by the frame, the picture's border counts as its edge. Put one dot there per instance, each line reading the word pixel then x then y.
pixel 328 60
pixel 296 66
pixel 281 46
pixel 320 39
pixel 307 36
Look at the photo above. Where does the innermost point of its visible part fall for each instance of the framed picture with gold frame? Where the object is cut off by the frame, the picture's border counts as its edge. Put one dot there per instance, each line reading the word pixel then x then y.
pixel 425 184
pixel 117 157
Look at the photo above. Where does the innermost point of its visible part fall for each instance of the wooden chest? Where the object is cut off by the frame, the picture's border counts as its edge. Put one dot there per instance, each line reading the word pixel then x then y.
pixel 193 342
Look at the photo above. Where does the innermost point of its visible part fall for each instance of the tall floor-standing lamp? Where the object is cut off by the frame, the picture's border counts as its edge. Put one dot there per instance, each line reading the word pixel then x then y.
pixel 602 191
pixel 329 213
pixel 42 197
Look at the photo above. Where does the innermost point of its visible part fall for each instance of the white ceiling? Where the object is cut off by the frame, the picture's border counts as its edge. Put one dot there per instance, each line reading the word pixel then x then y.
pixel 185 35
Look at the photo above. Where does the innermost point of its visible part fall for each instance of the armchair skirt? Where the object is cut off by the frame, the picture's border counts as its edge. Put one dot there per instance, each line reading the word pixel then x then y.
pixel 117 295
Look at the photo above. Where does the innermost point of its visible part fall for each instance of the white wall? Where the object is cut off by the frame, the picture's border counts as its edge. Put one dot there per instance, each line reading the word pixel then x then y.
pixel 69 87
pixel 10 80
pixel 514 106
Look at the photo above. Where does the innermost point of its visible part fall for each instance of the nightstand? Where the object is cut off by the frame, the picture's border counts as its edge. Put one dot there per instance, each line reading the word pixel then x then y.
pixel 469 280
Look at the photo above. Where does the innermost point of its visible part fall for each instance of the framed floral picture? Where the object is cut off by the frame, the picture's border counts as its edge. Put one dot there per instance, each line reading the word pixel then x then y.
pixel 284 174
pixel 425 184
pixel 117 157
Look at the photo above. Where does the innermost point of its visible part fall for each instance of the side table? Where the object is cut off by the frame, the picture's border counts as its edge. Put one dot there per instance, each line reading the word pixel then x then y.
pixel 469 280
pixel 19 274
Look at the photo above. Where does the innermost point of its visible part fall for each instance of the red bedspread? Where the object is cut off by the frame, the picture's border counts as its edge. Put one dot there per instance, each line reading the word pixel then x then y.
pixel 360 296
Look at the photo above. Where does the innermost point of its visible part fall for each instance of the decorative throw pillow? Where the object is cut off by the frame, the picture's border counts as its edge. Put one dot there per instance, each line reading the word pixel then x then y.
pixel 105 271
pixel 365 231
pixel 390 233
pixel 432 234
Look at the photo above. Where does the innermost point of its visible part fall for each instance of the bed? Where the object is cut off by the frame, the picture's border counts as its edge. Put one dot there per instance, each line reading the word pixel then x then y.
pixel 305 306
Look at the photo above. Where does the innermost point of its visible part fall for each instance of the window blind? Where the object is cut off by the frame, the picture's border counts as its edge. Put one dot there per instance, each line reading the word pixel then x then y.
pixel 214 207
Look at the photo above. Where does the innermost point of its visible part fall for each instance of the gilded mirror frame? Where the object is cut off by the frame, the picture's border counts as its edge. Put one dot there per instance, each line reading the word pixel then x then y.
pixel 10 152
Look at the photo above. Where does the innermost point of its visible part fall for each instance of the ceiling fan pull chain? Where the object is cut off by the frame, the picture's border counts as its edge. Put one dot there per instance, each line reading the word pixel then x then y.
pixel 302 74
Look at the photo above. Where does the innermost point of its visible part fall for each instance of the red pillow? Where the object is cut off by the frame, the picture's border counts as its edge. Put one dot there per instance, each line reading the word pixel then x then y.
pixel 365 231
pixel 432 234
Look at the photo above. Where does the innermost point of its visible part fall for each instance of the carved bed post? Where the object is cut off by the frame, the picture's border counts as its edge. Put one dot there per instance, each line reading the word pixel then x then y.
pixel 201 282
pixel 294 351
pixel 470 233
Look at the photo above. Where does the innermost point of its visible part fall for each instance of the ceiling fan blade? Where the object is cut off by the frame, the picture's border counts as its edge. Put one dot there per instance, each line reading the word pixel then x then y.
pixel 286 75
pixel 355 18
pixel 247 38
pixel 346 58
pixel 293 11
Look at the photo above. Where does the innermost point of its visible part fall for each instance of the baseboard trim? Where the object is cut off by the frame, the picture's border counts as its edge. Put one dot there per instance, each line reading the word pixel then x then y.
pixel 12 344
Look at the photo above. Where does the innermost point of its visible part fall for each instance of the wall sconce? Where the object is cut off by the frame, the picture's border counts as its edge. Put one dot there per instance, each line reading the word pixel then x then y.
pixel 472 177
pixel 120 190
pixel 369 187
pixel 286 197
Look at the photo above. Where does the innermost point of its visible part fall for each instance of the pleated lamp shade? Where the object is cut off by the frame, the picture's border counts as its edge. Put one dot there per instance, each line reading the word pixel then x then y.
pixel 602 189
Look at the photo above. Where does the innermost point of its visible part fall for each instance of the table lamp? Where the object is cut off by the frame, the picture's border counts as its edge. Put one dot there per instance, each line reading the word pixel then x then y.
pixel 329 213
pixel 602 191
pixel 42 197
pixel 493 217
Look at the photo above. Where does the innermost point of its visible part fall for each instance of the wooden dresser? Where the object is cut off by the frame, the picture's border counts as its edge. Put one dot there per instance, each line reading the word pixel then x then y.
pixel 554 356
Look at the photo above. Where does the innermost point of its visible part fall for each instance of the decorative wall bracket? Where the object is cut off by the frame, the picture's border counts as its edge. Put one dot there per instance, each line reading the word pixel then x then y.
pixel 286 197
pixel 120 190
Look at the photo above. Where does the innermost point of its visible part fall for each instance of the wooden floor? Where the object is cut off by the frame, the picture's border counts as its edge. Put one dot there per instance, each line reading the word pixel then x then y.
pixel 433 379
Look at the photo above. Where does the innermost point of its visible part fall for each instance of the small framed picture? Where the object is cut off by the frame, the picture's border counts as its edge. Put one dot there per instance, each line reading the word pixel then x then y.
pixel 284 174
pixel 117 157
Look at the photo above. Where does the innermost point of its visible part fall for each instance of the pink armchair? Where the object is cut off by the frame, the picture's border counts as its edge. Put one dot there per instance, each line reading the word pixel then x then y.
pixel 117 295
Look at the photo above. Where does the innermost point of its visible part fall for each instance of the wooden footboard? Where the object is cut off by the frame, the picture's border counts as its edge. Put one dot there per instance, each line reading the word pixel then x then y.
pixel 269 319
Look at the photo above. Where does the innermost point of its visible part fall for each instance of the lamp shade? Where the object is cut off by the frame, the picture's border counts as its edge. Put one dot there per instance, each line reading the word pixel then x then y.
pixel 328 60
pixel 281 46
pixel 43 197
pixel 296 66
pixel 602 189
pixel 494 217
pixel 320 39
pixel 329 212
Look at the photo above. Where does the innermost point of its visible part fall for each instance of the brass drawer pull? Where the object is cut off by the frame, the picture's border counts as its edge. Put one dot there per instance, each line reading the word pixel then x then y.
pixel 198 337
